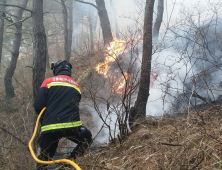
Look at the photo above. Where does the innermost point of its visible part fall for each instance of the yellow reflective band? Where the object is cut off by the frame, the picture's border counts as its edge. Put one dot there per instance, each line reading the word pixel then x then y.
pixel 63 84
pixel 61 126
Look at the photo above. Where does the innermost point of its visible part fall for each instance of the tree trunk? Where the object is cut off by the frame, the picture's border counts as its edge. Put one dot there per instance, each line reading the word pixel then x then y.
pixel 70 29
pixel 115 19
pixel 9 89
pixel 76 24
pixel 65 29
pixel 40 46
pixel 95 22
pixel 81 42
pixel 47 54
pixel 40 52
pixel 140 104
pixel 104 22
pixel 90 18
pixel 159 18
pixel 2 25
pixel 57 47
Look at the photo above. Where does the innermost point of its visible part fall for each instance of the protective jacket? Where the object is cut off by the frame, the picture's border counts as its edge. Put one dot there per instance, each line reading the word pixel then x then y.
pixel 61 96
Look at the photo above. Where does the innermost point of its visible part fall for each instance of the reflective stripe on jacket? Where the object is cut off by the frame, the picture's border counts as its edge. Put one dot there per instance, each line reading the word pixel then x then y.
pixel 64 84
pixel 61 126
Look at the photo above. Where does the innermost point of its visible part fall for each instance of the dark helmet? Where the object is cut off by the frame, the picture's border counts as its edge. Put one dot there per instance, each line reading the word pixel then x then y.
pixel 61 66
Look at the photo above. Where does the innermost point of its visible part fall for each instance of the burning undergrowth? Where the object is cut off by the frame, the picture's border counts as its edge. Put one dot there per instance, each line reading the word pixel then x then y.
pixel 117 67
pixel 108 86
pixel 192 142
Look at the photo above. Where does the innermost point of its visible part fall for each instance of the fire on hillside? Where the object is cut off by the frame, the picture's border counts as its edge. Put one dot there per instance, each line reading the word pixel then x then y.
pixel 154 77
pixel 115 48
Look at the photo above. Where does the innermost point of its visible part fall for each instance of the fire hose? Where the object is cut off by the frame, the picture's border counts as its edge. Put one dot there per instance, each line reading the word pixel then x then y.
pixel 48 162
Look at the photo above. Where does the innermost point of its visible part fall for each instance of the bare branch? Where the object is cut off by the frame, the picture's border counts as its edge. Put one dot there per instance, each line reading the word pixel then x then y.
pixel 18 7
pixel 88 3
pixel 170 144
pixel 13 136
pixel 14 23
pixel 9 20
pixel 98 132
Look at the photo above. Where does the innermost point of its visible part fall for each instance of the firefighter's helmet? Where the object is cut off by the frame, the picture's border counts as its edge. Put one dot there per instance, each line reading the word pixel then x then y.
pixel 59 66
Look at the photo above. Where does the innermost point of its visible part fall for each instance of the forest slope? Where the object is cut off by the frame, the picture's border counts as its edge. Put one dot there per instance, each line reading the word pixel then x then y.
pixel 191 142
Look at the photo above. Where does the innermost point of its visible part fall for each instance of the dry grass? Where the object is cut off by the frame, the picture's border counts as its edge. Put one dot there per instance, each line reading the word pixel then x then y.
pixel 16 114
pixel 167 143
pixel 192 142
pixel 16 125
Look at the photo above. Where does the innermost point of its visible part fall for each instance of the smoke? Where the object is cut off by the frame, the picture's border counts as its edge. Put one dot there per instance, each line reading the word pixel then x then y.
pixel 81 13
pixel 187 58
pixel 170 73
pixel 188 49
pixel 98 128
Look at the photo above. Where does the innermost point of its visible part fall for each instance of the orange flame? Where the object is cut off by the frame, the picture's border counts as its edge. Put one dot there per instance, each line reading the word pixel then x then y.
pixel 118 87
pixel 24 56
pixel 115 48
pixel 153 78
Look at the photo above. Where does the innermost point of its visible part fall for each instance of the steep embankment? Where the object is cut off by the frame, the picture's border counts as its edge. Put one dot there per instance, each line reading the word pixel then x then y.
pixel 192 142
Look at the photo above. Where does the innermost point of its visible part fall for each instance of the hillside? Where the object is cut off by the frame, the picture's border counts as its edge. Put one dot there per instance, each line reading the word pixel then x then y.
pixel 191 142
pixel 187 140
pixel 159 61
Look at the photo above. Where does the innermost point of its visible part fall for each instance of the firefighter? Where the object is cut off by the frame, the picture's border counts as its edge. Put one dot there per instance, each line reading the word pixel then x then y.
pixel 61 96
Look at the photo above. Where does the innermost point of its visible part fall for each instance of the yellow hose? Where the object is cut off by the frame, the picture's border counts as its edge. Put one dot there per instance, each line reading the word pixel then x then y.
pixel 48 162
